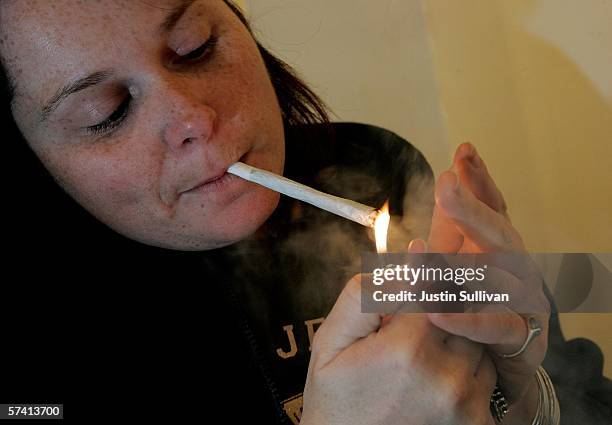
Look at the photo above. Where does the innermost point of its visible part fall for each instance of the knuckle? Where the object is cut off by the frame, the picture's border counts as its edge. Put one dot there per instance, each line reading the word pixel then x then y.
pixel 404 358
pixel 397 357
pixel 353 286
pixel 456 393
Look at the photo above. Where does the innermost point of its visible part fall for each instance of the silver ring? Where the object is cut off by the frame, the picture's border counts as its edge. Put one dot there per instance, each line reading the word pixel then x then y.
pixel 533 330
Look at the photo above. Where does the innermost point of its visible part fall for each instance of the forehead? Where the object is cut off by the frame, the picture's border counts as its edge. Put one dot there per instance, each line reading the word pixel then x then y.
pixel 45 42
pixel 55 19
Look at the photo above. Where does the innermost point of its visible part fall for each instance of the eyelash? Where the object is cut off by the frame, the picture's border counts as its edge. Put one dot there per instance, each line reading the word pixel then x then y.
pixel 197 55
pixel 200 53
pixel 114 120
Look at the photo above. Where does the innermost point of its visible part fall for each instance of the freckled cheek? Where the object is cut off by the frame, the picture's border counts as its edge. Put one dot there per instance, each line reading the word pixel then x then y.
pixel 110 186
pixel 253 109
pixel 120 190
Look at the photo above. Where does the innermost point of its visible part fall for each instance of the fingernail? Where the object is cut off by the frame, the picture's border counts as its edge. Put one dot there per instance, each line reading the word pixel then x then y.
pixel 417 246
pixel 412 246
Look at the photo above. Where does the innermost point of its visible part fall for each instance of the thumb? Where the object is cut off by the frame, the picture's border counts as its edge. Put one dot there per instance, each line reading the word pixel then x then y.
pixel 344 325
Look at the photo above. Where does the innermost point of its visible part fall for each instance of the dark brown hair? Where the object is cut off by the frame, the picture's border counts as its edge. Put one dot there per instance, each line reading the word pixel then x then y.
pixel 298 103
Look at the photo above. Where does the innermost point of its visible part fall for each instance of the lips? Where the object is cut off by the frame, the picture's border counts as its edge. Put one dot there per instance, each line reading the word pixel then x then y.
pixel 206 181
pixel 214 180
pixel 210 180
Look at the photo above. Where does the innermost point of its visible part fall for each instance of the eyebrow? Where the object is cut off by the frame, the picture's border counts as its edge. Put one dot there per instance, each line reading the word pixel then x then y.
pixel 74 87
pixel 173 17
pixel 98 77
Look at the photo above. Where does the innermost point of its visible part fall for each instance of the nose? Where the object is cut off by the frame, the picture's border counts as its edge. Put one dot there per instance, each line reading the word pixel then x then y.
pixel 190 122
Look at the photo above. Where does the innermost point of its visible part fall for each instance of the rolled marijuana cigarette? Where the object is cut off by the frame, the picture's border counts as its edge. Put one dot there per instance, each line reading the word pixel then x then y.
pixel 346 208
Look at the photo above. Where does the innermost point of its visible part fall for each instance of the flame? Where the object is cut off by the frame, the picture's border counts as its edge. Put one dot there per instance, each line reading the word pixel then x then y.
pixel 381 226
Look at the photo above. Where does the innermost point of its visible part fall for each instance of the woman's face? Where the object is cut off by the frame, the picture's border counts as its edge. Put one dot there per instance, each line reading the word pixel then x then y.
pixel 138 107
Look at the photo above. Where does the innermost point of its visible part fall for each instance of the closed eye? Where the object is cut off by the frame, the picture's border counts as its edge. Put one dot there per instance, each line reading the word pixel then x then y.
pixel 118 116
pixel 114 120
pixel 200 52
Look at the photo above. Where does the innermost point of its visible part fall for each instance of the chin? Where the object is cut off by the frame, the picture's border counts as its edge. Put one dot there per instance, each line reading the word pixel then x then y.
pixel 236 222
pixel 247 214
pixel 201 230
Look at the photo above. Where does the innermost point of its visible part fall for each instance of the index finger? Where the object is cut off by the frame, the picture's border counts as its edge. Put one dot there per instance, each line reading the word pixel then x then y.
pixel 473 173
pixel 475 220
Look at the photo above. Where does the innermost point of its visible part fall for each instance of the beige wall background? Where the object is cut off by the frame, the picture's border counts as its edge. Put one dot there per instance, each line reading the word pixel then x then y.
pixel 529 82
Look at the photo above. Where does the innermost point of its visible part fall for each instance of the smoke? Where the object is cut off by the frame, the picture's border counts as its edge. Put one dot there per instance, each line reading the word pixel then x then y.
pixel 315 252
pixel 296 272
pixel 418 204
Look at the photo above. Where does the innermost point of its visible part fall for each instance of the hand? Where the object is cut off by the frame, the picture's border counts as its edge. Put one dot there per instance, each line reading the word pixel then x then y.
pixel 471 216
pixel 405 371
